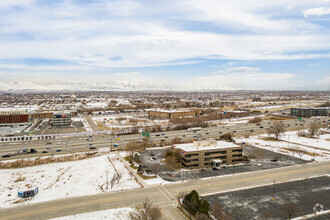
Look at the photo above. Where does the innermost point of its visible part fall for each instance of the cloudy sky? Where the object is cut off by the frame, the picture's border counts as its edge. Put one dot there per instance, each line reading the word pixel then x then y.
pixel 165 44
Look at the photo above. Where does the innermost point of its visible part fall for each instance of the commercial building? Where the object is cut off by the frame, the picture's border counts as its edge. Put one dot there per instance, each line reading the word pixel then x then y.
pixel 177 113
pixel 207 153
pixel 41 114
pixel 309 112
pixel 9 117
pixel 61 119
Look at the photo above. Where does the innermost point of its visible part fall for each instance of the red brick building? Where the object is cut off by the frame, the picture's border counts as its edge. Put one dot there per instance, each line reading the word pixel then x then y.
pixel 9 117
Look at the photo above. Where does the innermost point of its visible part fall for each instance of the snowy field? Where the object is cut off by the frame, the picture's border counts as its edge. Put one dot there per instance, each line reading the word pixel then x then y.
pixel 110 214
pixel 308 146
pixel 61 180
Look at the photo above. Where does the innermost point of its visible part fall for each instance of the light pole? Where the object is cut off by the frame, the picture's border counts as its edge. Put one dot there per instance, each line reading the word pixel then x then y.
pixel 273 190
pixel 107 179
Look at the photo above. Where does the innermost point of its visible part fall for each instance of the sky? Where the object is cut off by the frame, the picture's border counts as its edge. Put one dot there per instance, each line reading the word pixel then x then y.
pixel 165 45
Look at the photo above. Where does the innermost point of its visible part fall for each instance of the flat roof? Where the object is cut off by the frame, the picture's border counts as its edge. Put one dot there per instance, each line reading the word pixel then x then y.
pixel 206 145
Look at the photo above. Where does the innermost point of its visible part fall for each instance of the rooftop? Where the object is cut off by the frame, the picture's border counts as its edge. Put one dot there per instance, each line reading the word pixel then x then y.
pixel 205 145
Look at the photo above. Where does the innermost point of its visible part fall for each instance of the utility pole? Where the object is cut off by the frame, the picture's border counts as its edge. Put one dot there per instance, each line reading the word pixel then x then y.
pixel 273 190
pixel 107 179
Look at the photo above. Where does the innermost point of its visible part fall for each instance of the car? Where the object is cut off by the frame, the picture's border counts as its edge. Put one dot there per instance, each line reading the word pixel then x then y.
pixel 162 139
pixel 220 132
pixel 323 121
pixel 58 150
pixel 48 142
pixel 261 127
pixel 234 131
pixel 216 168
pixel 183 135
pixel 58 143
pixel 273 160
pixel 44 152
pixel 115 145
pixel 117 139
pixel 157 135
pixel 166 137
pixel 6 155
pixel 92 148
pixel 33 151
pixel 48 148
pixel 163 134
pixel 206 133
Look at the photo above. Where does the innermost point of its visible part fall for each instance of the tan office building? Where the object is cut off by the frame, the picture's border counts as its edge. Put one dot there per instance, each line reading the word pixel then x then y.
pixel 207 153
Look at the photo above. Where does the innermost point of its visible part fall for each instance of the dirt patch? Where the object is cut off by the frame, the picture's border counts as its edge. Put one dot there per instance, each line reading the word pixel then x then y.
pixel 269 139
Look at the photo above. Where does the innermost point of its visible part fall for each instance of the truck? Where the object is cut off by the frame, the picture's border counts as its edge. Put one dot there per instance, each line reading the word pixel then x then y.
pixel 194 129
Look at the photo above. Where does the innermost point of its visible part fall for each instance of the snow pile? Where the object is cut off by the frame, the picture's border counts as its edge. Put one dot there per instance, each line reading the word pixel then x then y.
pixel 61 180
pixel 109 214
pixel 308 151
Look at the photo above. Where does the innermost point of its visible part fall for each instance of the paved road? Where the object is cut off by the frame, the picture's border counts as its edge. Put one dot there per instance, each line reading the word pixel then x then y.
pixel 162 195
pixel 79 144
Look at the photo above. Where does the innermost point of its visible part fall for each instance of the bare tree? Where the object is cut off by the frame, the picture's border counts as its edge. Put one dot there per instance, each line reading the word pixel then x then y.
pixel 218 213
pixel 155 168
pixel 300 152
pixel 176 140
pixel 202 217
pixel 290 210
pixel 131 147
pixel 172 163
pixel 314 128
pixel 258 154
pixel 255 120
pixel 147 211
pixel 277 129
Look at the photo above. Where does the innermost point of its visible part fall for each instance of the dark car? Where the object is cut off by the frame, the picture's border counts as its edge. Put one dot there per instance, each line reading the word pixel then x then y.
pixel 166 137
pixel 6 155
pixel 273 160
pixel 206 133
pixel 58 150
pixel 44 152
pixel 92 148
pixel 157 135
pixel 33 151
pixel 220 132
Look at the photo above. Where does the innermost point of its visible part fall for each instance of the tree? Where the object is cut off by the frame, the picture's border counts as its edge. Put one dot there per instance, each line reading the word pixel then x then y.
pixel 277 129
pixel 146 142
pixel 192 202
pixel 131 147
pixel 290 210
pixel 147 211
pixel 258 154
pixel 255 120
pixel 227 137
pixel 204 207
pixel 300 152
pixel 314 128
pixel 172 163
pixel 176 140
pixel 218 213
pixel 155 168
pixel 202 217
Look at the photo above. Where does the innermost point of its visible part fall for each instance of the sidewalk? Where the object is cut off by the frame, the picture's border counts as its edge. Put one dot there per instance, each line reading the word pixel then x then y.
pixel 132 171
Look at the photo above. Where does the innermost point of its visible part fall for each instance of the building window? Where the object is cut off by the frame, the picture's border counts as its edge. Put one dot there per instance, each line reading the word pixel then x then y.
pixel 237 155
pixel 237 150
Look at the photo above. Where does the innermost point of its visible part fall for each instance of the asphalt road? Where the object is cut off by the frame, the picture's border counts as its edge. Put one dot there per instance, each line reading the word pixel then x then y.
pixel 163 195
pixel 80 144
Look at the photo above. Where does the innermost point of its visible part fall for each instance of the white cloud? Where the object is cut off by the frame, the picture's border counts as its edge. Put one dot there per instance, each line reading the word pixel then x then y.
pixel 316 11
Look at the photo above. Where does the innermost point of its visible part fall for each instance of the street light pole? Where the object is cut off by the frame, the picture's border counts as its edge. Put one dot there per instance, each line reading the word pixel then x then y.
pixel 107 179
pixel 274 190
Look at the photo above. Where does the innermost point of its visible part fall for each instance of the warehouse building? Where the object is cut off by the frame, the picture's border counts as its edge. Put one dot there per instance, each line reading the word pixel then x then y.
pixel 41 114
pixel 177 113
pixel 9 117
pixel 207 153
pixel 61 119
pixel 309 112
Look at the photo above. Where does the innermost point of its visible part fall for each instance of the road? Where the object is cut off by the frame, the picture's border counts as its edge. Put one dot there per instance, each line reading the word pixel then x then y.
pixel 80 144
pixel 164 196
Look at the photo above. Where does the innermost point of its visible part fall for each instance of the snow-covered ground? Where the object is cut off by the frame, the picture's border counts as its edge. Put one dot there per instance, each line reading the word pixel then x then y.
pixel 320 141
pixel 110 214
pixel 290 148
pixel 61 180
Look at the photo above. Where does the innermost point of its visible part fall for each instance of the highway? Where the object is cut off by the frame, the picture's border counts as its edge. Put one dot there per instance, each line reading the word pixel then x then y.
pixel 80 144
pixel 164 196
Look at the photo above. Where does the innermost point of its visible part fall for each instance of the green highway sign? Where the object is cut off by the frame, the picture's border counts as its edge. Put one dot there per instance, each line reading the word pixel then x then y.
pixel 145 134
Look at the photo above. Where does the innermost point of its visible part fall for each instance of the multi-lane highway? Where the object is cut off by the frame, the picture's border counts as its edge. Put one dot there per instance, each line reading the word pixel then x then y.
pixel 80 144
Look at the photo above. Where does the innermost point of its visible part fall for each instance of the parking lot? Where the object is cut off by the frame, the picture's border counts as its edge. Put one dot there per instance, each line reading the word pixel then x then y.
pixel 299 197
pixel 150 157
pixel 45 128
